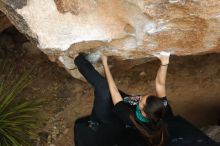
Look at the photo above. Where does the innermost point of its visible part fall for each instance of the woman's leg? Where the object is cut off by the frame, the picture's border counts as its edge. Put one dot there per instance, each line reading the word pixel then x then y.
pixel 102 106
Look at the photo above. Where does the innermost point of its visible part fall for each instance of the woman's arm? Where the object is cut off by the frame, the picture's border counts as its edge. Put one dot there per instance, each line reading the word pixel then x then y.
pixel 116 96
pixel 161 74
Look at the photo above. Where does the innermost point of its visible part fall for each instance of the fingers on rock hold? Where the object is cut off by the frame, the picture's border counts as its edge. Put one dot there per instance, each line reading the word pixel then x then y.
pixel 162 53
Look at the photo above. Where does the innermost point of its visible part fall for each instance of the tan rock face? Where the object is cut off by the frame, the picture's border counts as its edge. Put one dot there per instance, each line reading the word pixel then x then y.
pixel 4 22
pixel 129 29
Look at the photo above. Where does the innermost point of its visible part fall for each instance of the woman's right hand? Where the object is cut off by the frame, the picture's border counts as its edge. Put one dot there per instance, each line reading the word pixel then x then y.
pixel 104 59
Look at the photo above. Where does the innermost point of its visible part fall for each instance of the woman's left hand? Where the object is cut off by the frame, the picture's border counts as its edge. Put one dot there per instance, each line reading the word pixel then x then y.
pixel 163 56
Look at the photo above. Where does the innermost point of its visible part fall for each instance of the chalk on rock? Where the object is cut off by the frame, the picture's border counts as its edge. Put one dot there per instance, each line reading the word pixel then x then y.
pixel 93 57
pixel 165 53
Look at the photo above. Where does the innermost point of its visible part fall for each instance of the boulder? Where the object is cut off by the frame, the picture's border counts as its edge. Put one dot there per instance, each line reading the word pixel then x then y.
pixel 213 131
pixel 126 29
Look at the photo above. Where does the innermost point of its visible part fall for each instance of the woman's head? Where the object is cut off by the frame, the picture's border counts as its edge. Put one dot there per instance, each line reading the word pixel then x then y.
pixel 152 107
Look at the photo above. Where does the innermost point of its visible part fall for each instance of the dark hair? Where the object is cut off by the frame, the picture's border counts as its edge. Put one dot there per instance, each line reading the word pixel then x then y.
pixel 155 135
pixel 154 108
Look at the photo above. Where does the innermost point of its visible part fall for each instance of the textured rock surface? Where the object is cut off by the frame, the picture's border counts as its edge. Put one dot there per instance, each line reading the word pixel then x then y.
pixel 129 29
pixel 4 22
pixel 213 132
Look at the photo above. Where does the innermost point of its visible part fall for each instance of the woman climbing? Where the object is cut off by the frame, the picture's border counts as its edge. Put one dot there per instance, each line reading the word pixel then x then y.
pixel 120 119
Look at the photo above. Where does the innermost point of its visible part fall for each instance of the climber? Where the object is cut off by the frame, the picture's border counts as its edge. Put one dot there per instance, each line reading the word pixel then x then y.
pixel 116 116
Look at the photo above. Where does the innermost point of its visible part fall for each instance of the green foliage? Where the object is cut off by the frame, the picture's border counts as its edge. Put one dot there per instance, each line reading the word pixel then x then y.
pixel 17 116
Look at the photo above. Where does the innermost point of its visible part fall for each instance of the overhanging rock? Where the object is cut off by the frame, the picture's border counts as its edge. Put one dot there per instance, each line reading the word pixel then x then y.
pixel 128 29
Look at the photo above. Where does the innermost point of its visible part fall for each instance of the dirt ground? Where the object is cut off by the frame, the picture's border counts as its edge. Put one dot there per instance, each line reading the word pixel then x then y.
pixel 193 88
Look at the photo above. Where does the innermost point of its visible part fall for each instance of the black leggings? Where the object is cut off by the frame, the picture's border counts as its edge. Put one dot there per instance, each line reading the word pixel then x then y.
pixel 102 106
